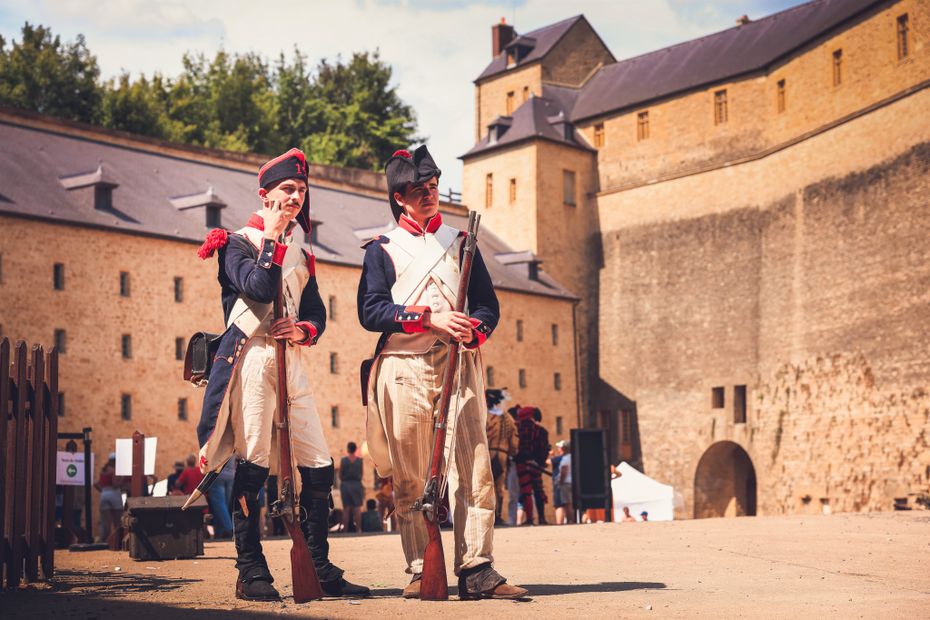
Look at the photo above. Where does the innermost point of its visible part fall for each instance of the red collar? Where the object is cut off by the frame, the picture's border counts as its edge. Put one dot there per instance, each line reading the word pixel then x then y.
pixel 256 221
pixel 410 225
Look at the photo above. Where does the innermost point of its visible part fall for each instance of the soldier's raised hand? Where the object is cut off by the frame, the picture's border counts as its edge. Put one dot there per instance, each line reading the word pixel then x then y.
pixel 276 218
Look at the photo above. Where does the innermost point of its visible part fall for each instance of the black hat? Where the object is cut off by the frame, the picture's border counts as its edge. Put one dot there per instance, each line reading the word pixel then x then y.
pixel 494 397
pixel 290 165
pixel 403 169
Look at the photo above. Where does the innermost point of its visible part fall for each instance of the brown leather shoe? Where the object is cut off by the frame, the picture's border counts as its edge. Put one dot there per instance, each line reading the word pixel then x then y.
pixel 506 591
pixel 413 588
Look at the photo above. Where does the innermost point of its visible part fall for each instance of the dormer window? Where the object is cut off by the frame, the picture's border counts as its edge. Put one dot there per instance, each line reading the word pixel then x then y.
pixel 103 197
pixel 92 189
pixel 214 217
pixel 525 262
pixel 208 201
pixel 313 237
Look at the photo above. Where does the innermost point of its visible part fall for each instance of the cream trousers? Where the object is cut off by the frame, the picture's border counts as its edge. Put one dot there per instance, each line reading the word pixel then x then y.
pixel 402 405
pixel 253 400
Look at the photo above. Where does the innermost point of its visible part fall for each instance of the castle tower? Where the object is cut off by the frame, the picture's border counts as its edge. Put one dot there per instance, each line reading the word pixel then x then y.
pixel 531 175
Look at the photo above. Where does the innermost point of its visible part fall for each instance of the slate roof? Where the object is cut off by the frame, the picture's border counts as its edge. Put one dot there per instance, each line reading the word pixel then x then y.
pixel 33 162
pixel 714 58
pixel 542 40
pixel 538 117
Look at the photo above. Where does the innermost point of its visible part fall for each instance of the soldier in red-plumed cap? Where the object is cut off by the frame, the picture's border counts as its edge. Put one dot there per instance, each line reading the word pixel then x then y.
pixel 239 405
pixel 408 291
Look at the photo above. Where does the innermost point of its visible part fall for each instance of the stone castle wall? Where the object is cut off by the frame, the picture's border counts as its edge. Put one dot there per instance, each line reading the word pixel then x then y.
pixel 817 303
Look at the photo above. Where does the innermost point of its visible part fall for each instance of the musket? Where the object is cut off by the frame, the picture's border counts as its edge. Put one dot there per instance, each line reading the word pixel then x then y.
pixel 304 578
pixel 433 584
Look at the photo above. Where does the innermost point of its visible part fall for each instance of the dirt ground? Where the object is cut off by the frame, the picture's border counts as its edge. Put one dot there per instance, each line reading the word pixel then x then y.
pixel 862 565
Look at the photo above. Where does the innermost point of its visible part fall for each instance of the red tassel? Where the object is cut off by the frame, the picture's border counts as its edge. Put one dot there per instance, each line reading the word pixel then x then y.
pixel 402 153
pixel 216 239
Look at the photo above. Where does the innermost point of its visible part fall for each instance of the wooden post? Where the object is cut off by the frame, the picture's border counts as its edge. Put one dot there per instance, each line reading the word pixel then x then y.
pixel 36 504
pixel 5 442
pixel 51 461
pixel 138 465
pixel 18 526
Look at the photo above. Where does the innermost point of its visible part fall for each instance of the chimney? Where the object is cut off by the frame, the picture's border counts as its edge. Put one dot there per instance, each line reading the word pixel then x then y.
pixel 743 20
pixel 501 35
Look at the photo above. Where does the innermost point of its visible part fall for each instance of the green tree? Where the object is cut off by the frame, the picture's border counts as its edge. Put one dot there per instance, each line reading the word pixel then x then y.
pixel 364 119
pixel 343 113
pixel 42 74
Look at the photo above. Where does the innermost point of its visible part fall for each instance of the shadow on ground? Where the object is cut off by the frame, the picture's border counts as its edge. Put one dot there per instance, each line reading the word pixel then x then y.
pixel 552 589
pixel 108 583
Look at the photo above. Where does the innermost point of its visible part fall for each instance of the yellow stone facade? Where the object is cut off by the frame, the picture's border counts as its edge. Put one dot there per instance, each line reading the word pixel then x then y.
pixel 779 253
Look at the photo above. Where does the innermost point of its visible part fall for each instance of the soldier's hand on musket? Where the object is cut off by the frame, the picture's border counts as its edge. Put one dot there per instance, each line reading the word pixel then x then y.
pixel 287 328
pixel 456 324
pixel 275 216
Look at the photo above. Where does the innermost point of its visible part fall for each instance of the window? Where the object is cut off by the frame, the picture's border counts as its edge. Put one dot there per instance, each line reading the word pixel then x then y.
pixel 720 107
pixel 510 103
pixel 488 190
pixel 522 377
pixel 739 404
pixel 331 307
pixel 103 198
pixel 837 67
pixel 61 404
pixel 214 217
pixel 557 381
pixel 780 98
pixel 599 135
pixel 903 28
pixel 511 59
pixel 178 289
pixel 334 416
pixel 61 340
pixel 490 373
pixel 642 126
pixel 179 349
pixel 125 410
pixel 127 346
pixel 568 187
pixel 124 283
pixel 513 191
pixel 526 93
pixel 558 425
pixel 716 398
pixel 626 427
pixel 58 276
pixel 333 363
pixel 555 334
pixel 182 408
pixel 519 330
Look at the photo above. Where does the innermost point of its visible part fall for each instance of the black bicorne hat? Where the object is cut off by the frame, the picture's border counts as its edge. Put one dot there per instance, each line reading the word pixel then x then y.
pixel 403 168
pixel 290 165
pixel 493 397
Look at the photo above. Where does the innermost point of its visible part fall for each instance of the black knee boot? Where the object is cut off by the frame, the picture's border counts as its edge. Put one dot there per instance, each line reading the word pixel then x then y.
pixel 254 583
pixel 316 486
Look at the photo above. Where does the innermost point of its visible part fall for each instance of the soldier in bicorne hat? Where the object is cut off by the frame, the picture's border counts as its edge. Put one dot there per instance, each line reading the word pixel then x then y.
pixel 407 293
pixel 240 402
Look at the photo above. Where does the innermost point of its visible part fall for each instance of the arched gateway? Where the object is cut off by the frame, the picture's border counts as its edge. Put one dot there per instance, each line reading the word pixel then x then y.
pixel 725 482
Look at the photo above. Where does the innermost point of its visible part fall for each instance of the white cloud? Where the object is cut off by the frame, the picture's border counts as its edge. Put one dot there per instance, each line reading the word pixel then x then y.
pixel 436 50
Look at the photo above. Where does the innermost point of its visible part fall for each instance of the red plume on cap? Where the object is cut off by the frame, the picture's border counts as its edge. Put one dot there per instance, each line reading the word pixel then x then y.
pixel 401 153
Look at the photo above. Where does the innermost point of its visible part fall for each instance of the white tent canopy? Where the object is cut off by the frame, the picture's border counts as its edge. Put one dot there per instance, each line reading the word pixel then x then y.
pixel 639 492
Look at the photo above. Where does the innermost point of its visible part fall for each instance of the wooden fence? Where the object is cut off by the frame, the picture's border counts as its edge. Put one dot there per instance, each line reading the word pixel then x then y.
pixel 28 444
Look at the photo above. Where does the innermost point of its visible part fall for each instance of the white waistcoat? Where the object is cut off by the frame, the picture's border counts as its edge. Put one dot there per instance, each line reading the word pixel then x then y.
pixel 427 269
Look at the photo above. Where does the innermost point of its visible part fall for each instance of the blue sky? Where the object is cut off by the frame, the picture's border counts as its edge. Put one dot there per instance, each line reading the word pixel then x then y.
pixel 436 47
